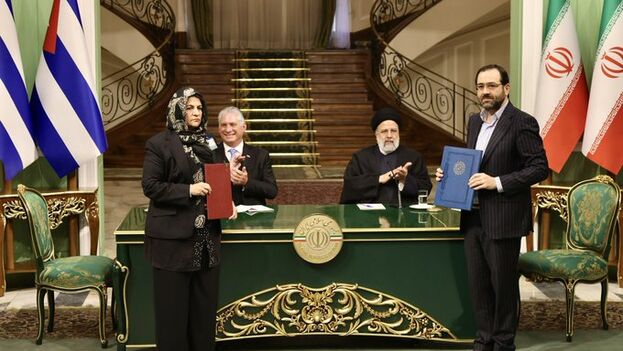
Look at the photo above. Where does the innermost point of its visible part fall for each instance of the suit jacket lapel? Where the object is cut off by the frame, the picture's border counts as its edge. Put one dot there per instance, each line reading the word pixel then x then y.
pixel 474 131
pixel 504 123
pixel 177 151
pixel 219 154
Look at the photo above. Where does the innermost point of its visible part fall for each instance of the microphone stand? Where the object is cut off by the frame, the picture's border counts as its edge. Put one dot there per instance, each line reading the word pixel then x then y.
pixel 399 195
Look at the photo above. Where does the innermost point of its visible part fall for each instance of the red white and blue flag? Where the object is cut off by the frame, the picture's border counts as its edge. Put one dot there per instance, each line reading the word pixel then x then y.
pixel 64 104
pixel 17 148
pixel 562 96
pixel 603 135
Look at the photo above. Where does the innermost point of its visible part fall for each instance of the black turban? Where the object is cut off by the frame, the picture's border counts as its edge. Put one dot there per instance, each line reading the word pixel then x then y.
pixel 384 114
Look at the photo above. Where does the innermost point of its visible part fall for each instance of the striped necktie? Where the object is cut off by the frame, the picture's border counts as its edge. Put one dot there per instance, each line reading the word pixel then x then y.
pixel 232 153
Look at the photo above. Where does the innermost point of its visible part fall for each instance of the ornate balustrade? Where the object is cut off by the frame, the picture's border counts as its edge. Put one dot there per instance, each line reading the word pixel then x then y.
pixel 438 100
pixel 129 90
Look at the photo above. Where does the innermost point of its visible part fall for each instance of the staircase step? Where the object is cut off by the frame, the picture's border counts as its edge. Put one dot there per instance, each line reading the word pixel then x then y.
pixel 273 99
pixel 271 55
pixel 276 109
pixel 294 166
pixel 277 131
pixel 271 59
pixel 270 79
pixel 271 69
pixel 280 142
pixel 279 120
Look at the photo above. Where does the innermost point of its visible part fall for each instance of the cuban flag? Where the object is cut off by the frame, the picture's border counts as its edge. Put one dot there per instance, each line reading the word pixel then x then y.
pixel 64 104
pixel 17 148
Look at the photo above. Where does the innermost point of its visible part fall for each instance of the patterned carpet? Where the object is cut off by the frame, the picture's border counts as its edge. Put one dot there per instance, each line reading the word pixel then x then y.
pixel 82 322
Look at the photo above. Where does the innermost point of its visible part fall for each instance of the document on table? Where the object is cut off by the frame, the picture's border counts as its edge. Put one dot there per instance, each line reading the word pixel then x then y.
pixel 251 210
pixel 370 207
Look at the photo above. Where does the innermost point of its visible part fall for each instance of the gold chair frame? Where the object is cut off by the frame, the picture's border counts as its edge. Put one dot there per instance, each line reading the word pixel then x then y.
pixel 561 205
pixel 43 289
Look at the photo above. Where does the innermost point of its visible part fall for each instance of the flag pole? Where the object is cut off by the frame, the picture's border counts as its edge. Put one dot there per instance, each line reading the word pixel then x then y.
pixel 6 188
pixel 72 185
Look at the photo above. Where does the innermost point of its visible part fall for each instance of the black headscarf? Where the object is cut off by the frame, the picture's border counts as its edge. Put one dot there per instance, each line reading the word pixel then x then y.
pixel 198 145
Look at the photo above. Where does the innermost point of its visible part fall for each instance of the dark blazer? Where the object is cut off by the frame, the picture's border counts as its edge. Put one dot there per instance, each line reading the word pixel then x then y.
pixel 261 184
pixel 169 225
pixel 361 177
pixel 515 153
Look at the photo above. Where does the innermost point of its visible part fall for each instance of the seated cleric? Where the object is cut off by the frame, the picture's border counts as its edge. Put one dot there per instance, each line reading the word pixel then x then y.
pixel 376 173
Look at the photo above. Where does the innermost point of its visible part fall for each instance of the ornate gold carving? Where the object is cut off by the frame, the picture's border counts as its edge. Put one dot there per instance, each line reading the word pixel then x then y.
pixel 93 210
pixel 13 210
pixel 124 332
pixel 602 178
pixel 317 238
pixel 57 209
pixel 63 207
pixel 553 201
pixel 337 309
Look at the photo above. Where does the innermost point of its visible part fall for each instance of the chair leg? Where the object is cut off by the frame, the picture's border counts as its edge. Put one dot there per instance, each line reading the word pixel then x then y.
pixel 518 301
pixel 41 313
pixel 604 301
pixel 102 317
pixel 570 298
pixel 113 312
pixel 51 310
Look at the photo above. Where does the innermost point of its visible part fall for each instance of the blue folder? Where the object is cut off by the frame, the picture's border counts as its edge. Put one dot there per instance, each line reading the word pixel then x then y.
pixel 458 165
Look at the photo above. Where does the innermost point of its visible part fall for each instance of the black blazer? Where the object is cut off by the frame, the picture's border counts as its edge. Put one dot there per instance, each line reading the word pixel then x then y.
pixel 515 153
pixel 261 184
pixel 169 225
pixel 361 177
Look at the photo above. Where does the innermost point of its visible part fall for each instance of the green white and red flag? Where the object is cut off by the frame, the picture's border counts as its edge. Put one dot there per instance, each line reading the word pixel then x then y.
pixel 562 97
pixel 603 135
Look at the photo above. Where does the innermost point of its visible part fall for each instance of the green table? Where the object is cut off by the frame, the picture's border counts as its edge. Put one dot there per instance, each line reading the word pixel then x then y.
pixel 400 273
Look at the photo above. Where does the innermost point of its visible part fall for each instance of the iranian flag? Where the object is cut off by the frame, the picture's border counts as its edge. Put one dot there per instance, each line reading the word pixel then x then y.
pixel 603 137
pixel 562 96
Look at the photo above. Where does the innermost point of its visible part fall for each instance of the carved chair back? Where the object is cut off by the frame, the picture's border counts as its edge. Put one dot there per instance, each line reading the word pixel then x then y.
pixel 37 215
pixel 593 206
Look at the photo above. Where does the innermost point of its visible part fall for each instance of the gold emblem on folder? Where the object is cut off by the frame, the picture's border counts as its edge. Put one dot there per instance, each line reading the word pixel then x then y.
pixel 317 238
pixel 459 167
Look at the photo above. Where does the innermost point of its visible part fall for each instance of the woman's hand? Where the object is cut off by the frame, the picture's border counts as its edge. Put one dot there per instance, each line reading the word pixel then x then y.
pixel 200 189
pixel 234 212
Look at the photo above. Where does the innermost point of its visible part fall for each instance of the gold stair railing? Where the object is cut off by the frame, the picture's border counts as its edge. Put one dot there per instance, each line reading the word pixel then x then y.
pixel 128 91
pixel 438 100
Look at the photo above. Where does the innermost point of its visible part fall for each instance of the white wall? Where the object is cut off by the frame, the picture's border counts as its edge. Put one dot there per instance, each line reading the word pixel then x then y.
pixel 458 58
pixel 360 14
pixel 442 21
pixel 121 39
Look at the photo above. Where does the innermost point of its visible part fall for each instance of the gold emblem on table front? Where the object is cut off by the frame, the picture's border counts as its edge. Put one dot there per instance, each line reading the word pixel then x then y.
pixel 317 238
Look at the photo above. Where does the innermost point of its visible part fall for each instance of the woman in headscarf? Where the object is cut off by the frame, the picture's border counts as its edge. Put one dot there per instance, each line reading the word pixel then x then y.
pixel 181 244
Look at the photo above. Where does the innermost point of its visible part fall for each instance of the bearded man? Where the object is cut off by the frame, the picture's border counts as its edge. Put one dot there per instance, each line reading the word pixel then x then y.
pixel 513 159
pixel 377 173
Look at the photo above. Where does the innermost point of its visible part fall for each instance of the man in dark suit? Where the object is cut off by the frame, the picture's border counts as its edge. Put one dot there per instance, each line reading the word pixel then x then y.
pixel 254 181
pixel 378 172
pixel 513 159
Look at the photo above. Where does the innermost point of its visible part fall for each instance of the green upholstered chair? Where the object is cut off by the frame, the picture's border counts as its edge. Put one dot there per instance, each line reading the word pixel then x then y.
pixel 591 212
pixel 68 274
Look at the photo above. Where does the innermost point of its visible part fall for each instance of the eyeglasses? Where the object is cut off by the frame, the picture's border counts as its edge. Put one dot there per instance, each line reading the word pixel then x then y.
pixel 489 86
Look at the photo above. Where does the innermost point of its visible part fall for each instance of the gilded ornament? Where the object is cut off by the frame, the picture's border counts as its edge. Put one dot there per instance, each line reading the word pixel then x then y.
pixel 337 309
pixel 317 238
pixel 62 207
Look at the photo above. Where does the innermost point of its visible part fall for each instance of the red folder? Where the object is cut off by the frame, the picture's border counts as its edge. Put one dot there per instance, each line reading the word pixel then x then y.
pixel 219 202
